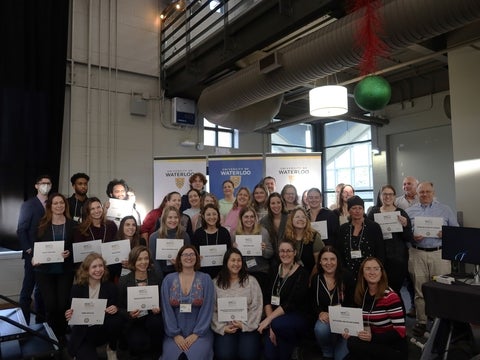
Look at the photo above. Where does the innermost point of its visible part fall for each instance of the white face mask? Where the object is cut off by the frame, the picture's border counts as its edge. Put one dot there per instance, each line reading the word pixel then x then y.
pixel 44 189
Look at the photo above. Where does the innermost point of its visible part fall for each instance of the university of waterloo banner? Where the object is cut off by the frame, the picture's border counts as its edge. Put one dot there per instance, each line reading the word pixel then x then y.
pixel 172 174
pixel 304 171
pixel 243 170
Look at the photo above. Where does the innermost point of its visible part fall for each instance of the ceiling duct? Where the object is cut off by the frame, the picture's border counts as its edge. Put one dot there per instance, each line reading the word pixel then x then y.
pixel 324 52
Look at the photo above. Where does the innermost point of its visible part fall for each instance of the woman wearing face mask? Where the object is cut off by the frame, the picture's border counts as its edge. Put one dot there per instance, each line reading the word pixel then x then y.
pixel 258 266
pixel 55 279
pixel 170 229
pixel 211 233
pixel 91 283
pixel 237 339
pixel 144 328
pixel 95 226
pixel 306 239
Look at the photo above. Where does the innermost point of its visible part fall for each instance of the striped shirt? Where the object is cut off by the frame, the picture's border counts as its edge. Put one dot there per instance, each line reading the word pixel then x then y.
pixel 385 316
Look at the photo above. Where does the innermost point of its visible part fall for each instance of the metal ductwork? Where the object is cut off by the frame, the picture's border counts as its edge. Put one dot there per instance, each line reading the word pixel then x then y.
pixel 325 52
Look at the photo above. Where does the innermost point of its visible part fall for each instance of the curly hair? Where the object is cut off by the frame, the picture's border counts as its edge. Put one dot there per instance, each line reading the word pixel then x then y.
pixel 309 232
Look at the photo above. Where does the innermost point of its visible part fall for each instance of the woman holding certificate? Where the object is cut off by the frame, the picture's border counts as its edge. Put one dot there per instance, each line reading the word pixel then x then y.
pixel 307 240
pixel 95 226
pixel 54 278
pixel 211 238
pixel 330 286
pixel 170 228
pixel 391 218
pixel 144 327
pixel 92 283
pixel 384 336
pixel 286 306
pixel 187 305
pixel 236 290
pixel 253 241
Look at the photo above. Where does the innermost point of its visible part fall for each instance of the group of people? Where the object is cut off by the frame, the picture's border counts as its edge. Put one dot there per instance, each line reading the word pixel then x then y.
pixel 310 257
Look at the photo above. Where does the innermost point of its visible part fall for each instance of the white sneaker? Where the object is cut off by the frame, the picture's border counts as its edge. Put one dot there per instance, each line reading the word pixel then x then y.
pixel 111 354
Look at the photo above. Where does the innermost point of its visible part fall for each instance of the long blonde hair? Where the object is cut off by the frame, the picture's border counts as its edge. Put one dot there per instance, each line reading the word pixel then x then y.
pixel 309 232
pixel 163 231
pixel 83 276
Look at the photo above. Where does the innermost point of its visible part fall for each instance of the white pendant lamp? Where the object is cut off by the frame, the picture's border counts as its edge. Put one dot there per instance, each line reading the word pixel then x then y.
pixel 329 100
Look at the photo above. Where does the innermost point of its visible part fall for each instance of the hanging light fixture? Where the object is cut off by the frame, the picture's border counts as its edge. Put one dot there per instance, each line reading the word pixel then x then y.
pixel 328 100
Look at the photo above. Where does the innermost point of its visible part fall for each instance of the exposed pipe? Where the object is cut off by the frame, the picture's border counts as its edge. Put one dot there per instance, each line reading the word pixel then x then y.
pixel 330 50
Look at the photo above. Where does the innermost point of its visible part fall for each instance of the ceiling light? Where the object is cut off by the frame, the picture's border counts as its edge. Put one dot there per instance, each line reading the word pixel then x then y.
pixel 329 100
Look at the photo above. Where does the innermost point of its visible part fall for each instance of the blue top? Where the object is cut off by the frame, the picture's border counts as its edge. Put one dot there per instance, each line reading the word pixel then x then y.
pixel 435 209
pixel 201 298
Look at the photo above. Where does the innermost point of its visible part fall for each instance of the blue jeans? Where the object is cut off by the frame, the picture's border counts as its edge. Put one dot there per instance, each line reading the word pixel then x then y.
pixel 240 345
pixel 289 329
pixel 332 345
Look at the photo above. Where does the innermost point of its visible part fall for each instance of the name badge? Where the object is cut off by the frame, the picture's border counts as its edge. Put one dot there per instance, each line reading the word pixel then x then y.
pixel 275 300
pixel 185 308
pixel 251 263
pixel 356 254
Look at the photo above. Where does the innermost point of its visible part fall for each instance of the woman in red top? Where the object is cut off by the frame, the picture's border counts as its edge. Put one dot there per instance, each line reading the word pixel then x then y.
pixel 384 335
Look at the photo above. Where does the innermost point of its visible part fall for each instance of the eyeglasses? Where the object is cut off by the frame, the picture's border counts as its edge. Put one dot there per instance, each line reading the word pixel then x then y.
pixel 286 251
pixel 375 269
pixel 189 255
pixel 388 194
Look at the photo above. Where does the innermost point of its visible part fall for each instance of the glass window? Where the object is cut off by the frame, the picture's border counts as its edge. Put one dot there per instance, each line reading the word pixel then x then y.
pixel 291 139
pixel 214 135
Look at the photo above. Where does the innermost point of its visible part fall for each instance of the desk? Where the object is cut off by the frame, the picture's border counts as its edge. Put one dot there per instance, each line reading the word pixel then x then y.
pixel 457 302
pixel 448 303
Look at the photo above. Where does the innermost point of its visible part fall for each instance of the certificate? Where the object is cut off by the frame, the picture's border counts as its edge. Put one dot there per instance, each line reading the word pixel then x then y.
pixel 249 245
pixel 82 249
pixel 212 255
pixel 118 209
pixel 321 227
pixel 45 252
pixel 232 308
pixel 389 223
pixel 428 226
pixel 115 251
pixel 142 297
pixel 345 320
pixel 88 311
pixel 167 249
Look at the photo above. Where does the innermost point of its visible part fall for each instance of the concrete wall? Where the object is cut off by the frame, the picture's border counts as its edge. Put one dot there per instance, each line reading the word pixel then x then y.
pixel 114 58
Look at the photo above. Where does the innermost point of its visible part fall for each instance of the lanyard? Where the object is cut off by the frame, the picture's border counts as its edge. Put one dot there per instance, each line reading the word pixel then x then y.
pixel 371 308
pixel 216 238
pixel 104 233
pixel 55 235
pixel 330 295
pixel 360 237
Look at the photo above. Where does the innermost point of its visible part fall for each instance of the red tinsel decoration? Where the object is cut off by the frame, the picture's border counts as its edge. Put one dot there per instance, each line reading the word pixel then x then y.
pixel 368 35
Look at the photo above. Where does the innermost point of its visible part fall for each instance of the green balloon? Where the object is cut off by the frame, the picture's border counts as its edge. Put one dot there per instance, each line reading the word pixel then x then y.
pixel 372 93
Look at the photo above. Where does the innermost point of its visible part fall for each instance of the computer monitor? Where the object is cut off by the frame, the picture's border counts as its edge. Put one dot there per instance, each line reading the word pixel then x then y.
pixel 462 244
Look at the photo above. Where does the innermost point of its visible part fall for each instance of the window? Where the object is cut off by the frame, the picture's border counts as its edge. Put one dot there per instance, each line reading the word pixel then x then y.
pixel 215 135
pixel 290 139
pixel 348 159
